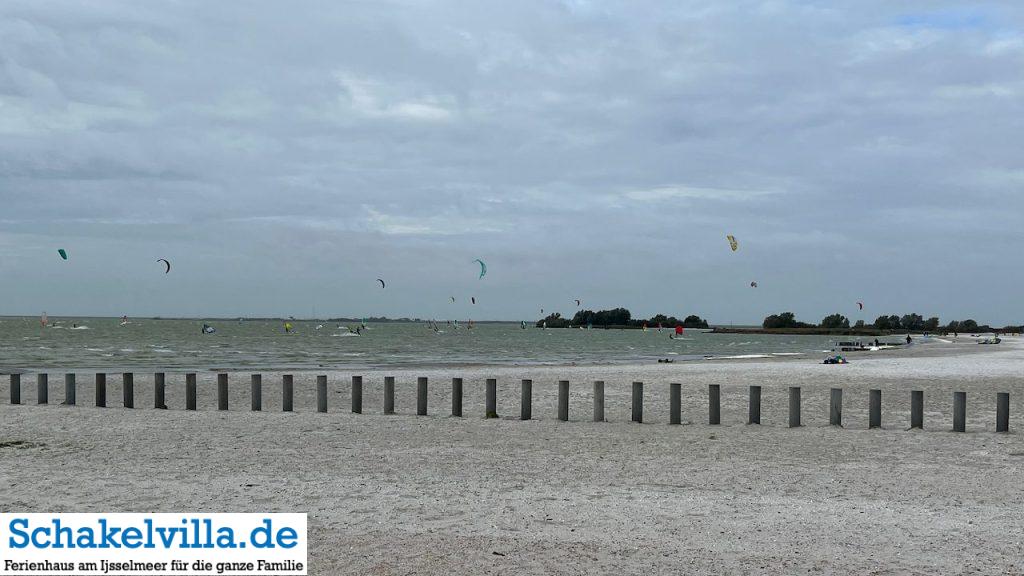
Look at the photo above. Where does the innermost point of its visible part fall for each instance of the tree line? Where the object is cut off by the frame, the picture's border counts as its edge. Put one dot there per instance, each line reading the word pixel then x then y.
pixel 910 322
pixel 619 318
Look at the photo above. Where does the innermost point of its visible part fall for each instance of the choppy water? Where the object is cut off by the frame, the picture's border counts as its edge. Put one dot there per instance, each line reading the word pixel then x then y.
pixel 179 344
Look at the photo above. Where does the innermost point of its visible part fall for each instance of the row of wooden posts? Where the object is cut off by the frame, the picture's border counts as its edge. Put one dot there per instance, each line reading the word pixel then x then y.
pixel 526 413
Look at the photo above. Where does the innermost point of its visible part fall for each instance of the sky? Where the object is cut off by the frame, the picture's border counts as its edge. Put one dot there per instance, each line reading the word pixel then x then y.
pixel 283 156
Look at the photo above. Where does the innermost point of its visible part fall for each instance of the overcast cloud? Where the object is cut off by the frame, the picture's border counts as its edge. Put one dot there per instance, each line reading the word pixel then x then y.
pixel 285 155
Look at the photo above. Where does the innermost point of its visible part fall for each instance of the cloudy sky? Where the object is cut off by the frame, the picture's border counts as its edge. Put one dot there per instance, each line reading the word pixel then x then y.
pixel 285 155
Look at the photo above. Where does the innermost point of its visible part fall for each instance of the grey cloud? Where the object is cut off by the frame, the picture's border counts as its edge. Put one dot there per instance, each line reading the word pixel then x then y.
pixel 602 150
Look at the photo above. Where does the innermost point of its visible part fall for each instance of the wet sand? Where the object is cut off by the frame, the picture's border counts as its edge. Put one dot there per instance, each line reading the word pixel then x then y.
pixel 438 495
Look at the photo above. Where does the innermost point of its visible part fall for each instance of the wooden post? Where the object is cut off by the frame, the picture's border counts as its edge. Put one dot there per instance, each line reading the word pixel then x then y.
pixel 492 398
pixel 321 393
pixel 917 409
pixel 714 404
pixel 638 402
pixel 675 393
pixel 794 406
pixel 421 396
pixel 222 391
pixel 835 407
pixel 1003 412
pixel 128 389
pixel 15 388
pixel 357 394
pixel 389 394
pixel 526 400
pixel 287 392
pixel 563 400
pixel 256 392
pixel 159 391
pixel 101 390
pixel 457 397
pixel 599 401
pixel 43 388
pixel 874 409
pixel 69 389
pixel 190 391
pixel 959 411
pixel 754 408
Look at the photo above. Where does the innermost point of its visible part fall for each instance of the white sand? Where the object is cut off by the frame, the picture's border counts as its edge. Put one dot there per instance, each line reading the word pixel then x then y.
pixel 437 495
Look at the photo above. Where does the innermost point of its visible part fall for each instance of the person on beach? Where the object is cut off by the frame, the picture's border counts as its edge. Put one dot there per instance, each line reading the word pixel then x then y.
pixel 909 339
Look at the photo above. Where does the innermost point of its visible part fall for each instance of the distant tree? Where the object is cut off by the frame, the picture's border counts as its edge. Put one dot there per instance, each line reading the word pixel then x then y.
pixel 953 326
pixel 883 323
pixel 784 320
pixel 614 317
pixel 859 325
pixel 931 324
pixel 694 321
pixel 894 322
pixel 968 325
pixel 553 321
pixel 912 322
pixel 835 322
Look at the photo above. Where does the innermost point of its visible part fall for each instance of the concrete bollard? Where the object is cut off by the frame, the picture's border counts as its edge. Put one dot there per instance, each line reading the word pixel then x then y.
pixel 492 398
pixel 599 401
pixel 128 389
pixel 917 409
pixel 1003 412
pixel 287 393
pixel 457 397
pixel 754 408
pixel 256 392
pixel 638 402
pixel 794 406
pixel 389 394
pixel 959 411
pixel 421 396
pixel 563 400
pixel 526 400
pixel 69 389
pixel 15 388
pixel 159 391
pixel 714 404
pixel 43 388
pixel 675 393
pixel 190 391
pixel 101 390
pixel 874 409
pixel 357 394
pixel 222 391
pixel 835 407
pixel 321 393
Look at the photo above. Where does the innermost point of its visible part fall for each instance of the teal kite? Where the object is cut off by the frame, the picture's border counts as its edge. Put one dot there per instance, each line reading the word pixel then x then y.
pixel 483 268
pixel 62 253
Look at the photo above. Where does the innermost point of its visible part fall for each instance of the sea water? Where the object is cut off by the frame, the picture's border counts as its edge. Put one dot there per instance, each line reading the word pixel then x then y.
pixel 104 343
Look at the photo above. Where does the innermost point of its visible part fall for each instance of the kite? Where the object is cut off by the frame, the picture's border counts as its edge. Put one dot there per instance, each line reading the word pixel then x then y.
pixel 382 284
pixel 483 268
pixel 860 305
pixel 167 264
pixel 63 253
pixel 541 310
pixel 732 242
pixel 473 299
pixel 753 284
pixel 453 299
pixel 577 303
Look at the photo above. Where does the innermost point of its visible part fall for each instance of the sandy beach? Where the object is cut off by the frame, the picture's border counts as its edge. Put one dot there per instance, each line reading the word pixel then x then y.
pixel 404 494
